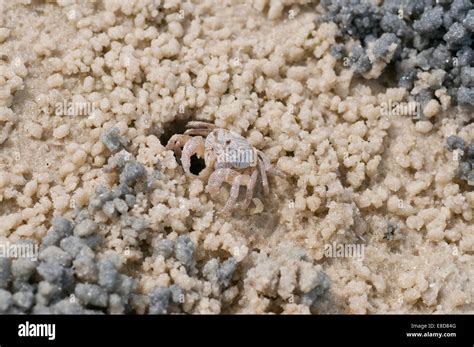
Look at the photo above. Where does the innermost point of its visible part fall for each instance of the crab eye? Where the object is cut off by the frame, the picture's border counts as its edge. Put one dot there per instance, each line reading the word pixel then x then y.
pixel 227 142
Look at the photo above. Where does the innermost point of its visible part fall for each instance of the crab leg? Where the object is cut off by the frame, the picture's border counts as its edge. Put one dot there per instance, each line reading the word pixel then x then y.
pixel 232 177
pixel 196 124
pixel 234 193
pixel 251 188
pixel 195 145
pixel 269 167
pixel 199 128
pixel 218 177
pixel 263 172
pixel 198 132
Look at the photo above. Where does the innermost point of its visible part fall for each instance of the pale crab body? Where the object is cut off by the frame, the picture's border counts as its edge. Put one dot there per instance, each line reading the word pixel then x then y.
pixel 228 149
pixel 228 158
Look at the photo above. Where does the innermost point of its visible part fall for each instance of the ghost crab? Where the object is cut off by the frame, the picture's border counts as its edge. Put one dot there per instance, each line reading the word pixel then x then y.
pixel 228 157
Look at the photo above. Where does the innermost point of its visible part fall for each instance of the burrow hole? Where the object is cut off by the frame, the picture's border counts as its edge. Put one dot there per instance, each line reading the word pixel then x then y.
pixel 178 126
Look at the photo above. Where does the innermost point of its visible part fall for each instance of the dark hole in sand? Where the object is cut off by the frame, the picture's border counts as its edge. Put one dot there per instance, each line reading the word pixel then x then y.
pixel 178 126
pixel 197 165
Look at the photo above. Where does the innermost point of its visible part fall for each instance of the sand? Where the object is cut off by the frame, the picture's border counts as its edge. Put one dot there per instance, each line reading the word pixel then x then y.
pixel 369 217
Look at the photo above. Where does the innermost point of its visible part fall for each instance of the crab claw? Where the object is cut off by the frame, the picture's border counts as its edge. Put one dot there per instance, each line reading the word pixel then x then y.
pixel 177 140
pixel 195 146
